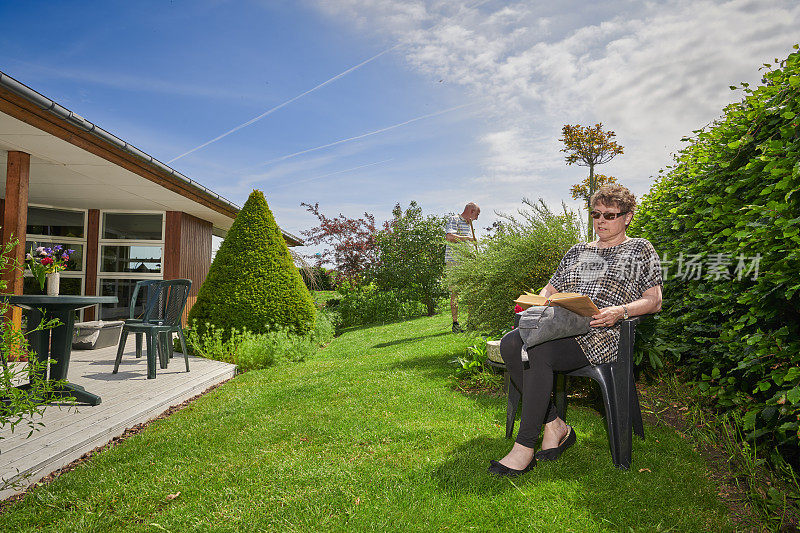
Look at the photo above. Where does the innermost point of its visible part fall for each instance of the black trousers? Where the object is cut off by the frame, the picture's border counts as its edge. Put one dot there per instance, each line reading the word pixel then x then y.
pixel 535 379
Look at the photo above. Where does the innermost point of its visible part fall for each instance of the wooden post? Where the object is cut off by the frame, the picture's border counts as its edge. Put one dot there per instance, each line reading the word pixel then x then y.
pixel 15 222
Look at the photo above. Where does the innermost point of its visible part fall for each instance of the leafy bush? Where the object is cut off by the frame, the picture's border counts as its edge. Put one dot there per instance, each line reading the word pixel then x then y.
pixel 318 278
pixel 253 283
pixel 362 305
pixel 250 351
pixel 410 253
pixel 520 256
pixel 731 203
pixel 474 361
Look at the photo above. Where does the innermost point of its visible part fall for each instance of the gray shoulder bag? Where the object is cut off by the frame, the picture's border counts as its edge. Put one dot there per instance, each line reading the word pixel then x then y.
pixel 541 323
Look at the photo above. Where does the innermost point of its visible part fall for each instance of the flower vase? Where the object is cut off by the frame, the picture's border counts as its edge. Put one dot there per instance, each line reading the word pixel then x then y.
pixel 53 282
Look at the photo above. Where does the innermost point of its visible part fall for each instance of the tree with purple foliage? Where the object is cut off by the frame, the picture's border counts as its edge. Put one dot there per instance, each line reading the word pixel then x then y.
pixel 351 243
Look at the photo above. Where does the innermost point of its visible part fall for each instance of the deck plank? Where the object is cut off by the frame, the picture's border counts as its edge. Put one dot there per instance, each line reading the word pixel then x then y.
pixel 128 398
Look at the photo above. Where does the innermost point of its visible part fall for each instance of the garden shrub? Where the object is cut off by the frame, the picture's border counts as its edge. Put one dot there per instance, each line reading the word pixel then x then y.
pixel 253 283
pixel 725 218
pixel 250 351
pixel 366 304
pixel 520 256
pixel 410 257
pixel 318 278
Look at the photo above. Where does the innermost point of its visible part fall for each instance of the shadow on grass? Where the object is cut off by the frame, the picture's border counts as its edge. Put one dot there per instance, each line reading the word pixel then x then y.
pixel 410 339
pixel 359 327
pixel 436 366
pixel 466 469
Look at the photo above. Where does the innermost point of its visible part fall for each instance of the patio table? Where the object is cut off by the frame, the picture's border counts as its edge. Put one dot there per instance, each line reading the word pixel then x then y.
pixel 56 343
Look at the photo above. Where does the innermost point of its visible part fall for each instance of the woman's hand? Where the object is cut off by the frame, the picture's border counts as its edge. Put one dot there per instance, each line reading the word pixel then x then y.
pixel 607 317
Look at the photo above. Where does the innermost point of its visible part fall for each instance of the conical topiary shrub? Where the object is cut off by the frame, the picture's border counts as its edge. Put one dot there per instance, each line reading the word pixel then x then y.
pixel 253 282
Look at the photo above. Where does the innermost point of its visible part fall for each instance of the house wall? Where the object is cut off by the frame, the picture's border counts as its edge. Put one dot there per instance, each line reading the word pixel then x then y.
pixel 187 251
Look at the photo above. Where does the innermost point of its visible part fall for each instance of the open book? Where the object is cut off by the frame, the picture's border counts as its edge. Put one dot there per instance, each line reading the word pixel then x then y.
pixel 577 303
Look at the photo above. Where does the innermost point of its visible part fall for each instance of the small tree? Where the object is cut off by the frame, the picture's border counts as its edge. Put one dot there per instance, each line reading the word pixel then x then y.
pixel 580 191
pixel 253 282
pixel 351 242
pixel 588 146
pixel 411 252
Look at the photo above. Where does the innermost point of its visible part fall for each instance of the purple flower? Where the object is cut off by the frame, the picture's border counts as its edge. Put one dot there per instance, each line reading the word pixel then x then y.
pixel 70 251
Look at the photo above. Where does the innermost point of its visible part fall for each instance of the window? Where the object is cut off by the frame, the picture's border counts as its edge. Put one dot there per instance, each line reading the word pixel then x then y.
pixel 55 222
pixel 123 290
pixel 131 248
pixel 133 226
pixel 48 226
pixel 140 259
pixel 75 263
pixel 67 286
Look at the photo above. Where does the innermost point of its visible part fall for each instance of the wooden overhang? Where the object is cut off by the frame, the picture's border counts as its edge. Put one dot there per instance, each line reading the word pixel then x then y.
pixel 43 114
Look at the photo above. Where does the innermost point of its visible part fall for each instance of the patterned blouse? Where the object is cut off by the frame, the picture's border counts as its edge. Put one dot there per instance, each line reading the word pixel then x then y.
pixel 609 276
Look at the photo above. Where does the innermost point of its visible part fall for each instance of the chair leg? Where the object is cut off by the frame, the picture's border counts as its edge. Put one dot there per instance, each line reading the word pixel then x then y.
pixel 152 348
pixel 170 344
pixel 121 348
pixel 161 350
pixel 183 347
pixel 514 397
pixel 612 427
pixel 139 345
pixel 622 414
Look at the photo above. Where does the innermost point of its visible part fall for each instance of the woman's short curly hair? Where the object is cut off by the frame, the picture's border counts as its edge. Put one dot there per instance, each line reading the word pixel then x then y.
pixel 614 195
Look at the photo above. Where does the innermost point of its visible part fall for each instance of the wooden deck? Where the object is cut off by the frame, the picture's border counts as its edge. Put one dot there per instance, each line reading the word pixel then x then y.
pixel 128 398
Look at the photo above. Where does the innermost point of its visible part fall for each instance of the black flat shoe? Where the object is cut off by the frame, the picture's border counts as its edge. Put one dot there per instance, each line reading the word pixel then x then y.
pixel 551 454
pixel 502 470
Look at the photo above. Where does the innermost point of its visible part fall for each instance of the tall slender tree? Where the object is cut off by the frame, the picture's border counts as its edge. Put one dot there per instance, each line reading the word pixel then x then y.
pixel 580 191
pixel 588 146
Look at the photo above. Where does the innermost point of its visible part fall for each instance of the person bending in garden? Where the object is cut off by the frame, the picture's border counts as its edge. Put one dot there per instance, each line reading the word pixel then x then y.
pixel 623 277
pixel 458 229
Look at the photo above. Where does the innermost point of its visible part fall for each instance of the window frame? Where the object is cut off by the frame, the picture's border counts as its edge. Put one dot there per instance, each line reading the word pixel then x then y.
pixel 137 276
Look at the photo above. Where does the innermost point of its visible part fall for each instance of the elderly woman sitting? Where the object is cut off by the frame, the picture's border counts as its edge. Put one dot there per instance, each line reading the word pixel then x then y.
pixel 623 277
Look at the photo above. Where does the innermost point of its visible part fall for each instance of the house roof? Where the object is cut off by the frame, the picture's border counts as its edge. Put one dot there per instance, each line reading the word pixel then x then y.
pixel 75 163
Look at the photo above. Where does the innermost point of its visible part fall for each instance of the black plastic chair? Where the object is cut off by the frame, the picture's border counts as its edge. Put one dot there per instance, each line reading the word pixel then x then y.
pixel 162 317
pixel 620 397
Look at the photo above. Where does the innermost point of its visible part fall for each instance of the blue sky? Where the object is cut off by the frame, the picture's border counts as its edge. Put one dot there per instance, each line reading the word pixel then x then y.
pixel 493 80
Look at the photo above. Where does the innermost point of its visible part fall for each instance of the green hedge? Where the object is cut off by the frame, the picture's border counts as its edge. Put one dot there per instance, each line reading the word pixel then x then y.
pixel 366 304
pixel 253 283
pixel 731 202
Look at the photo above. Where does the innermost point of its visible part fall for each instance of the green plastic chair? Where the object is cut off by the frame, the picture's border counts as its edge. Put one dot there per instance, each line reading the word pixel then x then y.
pixel 148 287
pixel 162 317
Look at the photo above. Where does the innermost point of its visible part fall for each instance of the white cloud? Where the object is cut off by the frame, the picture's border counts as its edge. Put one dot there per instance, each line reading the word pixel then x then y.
pixel 650 71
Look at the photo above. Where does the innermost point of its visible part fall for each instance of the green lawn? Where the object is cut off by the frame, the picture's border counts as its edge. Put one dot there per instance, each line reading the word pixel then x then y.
pixel 367 436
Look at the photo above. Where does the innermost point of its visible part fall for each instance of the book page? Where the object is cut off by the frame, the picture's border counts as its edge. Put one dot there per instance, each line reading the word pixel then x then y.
pixel 577 303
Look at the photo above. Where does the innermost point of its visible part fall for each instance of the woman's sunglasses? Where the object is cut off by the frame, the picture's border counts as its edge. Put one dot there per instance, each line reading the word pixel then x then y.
pixel 607 216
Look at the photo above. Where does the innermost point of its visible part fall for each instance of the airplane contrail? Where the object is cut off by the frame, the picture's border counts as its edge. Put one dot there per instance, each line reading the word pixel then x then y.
pixel 349 139
pixel 287 102
pixel 273 187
